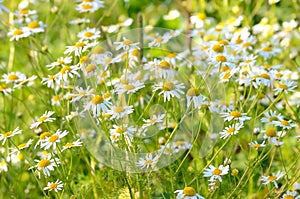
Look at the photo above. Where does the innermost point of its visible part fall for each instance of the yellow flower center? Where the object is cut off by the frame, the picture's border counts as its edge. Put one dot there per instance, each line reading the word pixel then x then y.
pixel 225 68
pixel 283 86
pixel 288 197
pixel 41 119
pixel 168 86
pixel 148 162
pixel 21 146
pixel 230 130
pixel 44 135
pixel 221 58
pixel 106 95
pixel 52 77
pixel 84 60
pixel 235 114
pixel 3 87
pixel 278 75
pixel 223 42
pixel 7 134
pixel 265 76
pixel 172 55
pixel 12 77
pixel 201 16
pixel 88 34
pixel 44 163
pixel 23 12
pixel 17 32
pixel 246 44
pixel 271 132
pixel 135 52
pixel 256 146
pixel 267 49
pixel 53 186
pixel 56 98
pixel 97 99
pixel 127 42
pixel 189 191
pixel 129 87
pixel 285 123
pixel 87 6
pixel 119 109
pixel 159 39
pixel 226 76
pixel 80 44
pixel 217 172
pixel 69 144
pixel 193 92
pixel 33 24
pixel 238 40
pixel 3 163
pixel 218 48
pixel 90 68
pixel 65 69
pixel 271 178
pixel 53 138
pixel 164 65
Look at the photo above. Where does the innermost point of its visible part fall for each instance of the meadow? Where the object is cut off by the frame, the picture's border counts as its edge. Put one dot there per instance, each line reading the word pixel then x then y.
pixel 185 99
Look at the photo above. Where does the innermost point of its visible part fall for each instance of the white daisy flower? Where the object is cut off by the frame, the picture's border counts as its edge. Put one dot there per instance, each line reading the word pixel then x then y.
pixel 90 6
pixel 18 33
pixel 45 165
pixel 118 112
pixel 52 140
pixel 153 120
pixel 272 179
pixel 257 145
pixel 69 145
pixel 36 27
pixel 9 134
pixel 148 162
pixel 169 89
pixel 126 44
pixel 13 77
pixel 129 87
pixel 50 81
pixel 61 61
pixel 54 186
pixel 46 117
pixel 156 40
pixel 286 87
pixel 284 124
pixel 181 145
pixel 290 195
pixel 89 34
pixel 67 72
pixel 97 105
pixel 231 130
pixel 271 116
pixel 188 193
pixel 80 47
pixel 3 166
pixel 215 173
pixel 235 115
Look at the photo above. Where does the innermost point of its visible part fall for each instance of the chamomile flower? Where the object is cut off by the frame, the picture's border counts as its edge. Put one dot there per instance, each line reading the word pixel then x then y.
pixel 271 133
pixel 89 34
pixel 154 119
pixel 188 193
pixel 193 96
pixel 45 165
pixel 286 87
pixel 272 179
pixel 43 136
pixel 215 173
pixel 284 124
pixel 5 89
pixel 126 44
pixel 54 186
pixel 181 145
pixel 69 145
pixel 46 117
pixel 67 72
pixel 61 61
pixel 169 89
pixel 118 112
pixel 148 162
pixel 50 81
pixel 13 77
pixel 98 104
pixel 271 116
pixel 235 115
pixel 268 51
pixel 3 166
pixel 290 195
pixel 52 140
pixel 80 47
pixel 156 40
pixel 90 6
pixel 118 132
pixel 129 87
pixel 35 27
pixel 9 134
pixel 257 145
pixel 231 130
pixel 18 33
pixel 22 146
